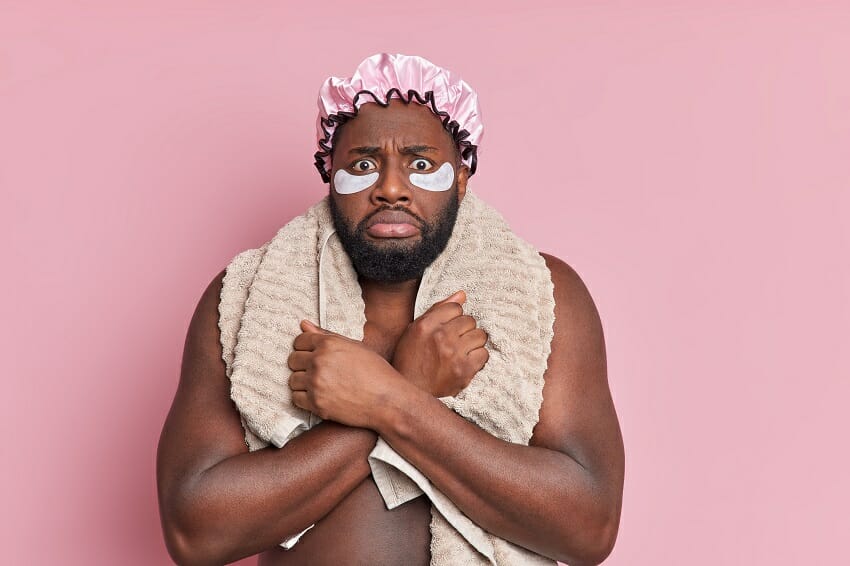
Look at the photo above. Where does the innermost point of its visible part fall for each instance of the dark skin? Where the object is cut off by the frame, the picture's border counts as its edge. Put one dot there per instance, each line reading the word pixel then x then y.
pixel 560 496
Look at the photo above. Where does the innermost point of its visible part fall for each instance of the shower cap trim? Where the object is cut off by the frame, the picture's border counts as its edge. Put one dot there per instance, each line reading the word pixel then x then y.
pixel 468 151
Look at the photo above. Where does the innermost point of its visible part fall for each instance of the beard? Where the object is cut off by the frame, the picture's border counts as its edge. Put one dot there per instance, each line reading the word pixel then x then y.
pixel 395 261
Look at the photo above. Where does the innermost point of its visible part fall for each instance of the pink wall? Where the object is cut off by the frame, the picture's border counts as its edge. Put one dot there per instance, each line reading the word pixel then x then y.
pixel 690 161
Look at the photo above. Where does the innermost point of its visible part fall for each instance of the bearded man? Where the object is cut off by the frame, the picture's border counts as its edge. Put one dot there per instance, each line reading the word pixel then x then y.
pixel 396 377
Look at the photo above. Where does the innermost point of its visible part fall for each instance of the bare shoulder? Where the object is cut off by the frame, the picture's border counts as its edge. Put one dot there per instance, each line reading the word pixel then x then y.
pixel 203 338
pixel 203 393
pixel 579 341
pixel 572 297
pixel 577 416
pixel 203 367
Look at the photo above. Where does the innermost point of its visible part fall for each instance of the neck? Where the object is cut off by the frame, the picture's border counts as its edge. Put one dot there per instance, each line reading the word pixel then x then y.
pixel 393 299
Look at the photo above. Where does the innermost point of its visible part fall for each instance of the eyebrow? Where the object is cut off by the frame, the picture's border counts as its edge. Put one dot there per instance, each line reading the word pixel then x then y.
pixel 419 149
pixel 372 150
pixel 364 150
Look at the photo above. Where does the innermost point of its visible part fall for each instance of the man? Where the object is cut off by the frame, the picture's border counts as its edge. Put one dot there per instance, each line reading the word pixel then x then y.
pixel 394 206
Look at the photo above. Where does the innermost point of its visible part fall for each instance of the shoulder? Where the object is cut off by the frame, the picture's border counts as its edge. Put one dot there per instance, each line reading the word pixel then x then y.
pixel 212 292
pixel 202 339
pixel 575 388
pixel 572 297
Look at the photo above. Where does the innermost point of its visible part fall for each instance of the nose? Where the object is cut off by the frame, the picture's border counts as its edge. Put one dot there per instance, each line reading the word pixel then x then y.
pixel 392 187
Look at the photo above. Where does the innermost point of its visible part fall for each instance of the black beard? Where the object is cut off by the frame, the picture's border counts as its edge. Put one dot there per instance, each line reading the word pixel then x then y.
pixel 401 262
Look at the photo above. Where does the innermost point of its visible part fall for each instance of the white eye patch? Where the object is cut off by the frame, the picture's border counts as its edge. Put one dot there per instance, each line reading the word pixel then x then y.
pixel 345 183
pixel 439 180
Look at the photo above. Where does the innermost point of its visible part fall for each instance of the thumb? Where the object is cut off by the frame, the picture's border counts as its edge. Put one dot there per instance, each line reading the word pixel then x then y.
pixel 308 326
pixel 458 297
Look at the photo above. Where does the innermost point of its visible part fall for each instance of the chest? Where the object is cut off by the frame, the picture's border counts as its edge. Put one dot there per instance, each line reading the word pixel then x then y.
pixel 382 338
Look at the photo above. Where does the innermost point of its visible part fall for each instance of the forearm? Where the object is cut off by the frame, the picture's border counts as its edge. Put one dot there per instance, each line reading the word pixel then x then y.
pixel 538 498
pixel 251 502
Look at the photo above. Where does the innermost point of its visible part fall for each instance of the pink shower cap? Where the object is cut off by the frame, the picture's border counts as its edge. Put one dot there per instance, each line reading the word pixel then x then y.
pixel 408 77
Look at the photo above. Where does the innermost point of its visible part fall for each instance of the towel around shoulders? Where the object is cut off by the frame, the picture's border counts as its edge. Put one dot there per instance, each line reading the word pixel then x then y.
pixel 304 273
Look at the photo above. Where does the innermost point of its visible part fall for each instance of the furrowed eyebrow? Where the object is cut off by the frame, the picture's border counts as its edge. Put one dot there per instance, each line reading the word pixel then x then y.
pixel 410 149
pixel 365 150
pixel 419 149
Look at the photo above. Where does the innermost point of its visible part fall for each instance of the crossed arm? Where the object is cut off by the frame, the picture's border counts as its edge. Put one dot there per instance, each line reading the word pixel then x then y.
pixel 560 496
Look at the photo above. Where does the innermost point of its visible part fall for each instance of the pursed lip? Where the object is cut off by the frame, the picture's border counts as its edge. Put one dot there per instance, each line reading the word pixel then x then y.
pixel 392 224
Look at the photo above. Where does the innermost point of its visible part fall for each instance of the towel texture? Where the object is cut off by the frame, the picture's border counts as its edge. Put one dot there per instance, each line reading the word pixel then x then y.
pixel 304 273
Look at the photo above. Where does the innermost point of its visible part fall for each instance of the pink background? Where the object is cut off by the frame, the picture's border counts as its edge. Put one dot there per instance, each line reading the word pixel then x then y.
pixel 690 161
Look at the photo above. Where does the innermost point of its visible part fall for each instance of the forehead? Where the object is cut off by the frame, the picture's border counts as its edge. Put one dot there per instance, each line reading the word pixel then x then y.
pixel 397 123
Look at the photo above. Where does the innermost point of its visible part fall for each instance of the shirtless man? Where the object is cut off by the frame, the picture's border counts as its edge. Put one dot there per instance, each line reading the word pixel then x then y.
pixel 560 496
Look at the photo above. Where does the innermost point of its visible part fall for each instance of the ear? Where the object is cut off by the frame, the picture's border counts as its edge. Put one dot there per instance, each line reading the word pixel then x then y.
pixel 462 178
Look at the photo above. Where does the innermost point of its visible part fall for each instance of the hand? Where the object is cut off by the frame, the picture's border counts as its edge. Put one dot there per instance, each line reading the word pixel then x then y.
pixel 339 378
pixel 443 349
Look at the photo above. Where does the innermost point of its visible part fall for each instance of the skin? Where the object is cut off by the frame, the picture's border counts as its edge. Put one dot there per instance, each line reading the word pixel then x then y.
pixel 560 496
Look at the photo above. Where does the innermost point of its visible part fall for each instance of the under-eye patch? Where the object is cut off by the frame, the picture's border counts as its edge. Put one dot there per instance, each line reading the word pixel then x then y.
pixel 345 183
pixel 440 180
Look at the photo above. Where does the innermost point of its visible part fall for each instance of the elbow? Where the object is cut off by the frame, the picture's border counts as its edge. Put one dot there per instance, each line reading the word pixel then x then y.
pixel 188 545
pixel 178 546
pixel 606 537
pixel 185 550
pixel 188 551
pixel 597 542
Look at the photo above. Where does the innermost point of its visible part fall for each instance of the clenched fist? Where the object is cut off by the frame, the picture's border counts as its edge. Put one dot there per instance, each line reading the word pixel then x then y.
pixel 443 349
pixel 339 378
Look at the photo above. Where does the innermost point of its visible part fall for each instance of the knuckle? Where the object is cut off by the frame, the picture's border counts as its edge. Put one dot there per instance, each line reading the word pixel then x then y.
pixel 427 325
pixel 454 309
pixel 457 368
pixel 445 349
pixel 318 379
pixel 325 348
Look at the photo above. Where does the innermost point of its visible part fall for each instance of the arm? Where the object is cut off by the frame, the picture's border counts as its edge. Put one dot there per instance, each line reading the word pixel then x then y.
pixel 219 502
pixel 560 496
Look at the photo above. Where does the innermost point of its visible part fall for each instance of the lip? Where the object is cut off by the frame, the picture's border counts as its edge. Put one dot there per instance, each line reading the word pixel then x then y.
pixel 392 224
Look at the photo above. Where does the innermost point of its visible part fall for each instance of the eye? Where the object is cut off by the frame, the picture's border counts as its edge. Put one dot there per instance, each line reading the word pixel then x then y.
pixel 421 164
pixel 363 165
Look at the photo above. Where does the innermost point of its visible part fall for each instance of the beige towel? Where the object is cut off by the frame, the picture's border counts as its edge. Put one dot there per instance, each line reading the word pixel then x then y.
pixel 304 273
